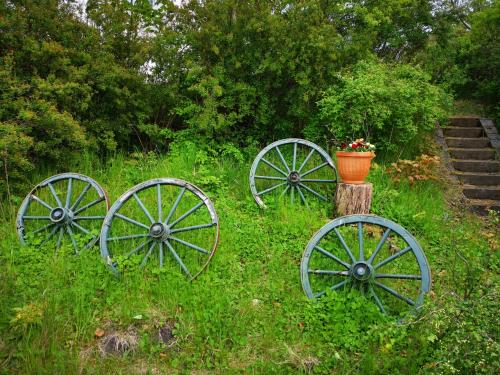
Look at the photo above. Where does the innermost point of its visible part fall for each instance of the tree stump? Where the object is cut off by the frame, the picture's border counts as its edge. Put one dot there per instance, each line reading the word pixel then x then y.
pixel 353 199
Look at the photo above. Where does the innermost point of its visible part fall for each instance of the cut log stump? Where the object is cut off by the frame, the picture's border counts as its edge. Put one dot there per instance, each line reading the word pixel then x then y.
pixel 353 199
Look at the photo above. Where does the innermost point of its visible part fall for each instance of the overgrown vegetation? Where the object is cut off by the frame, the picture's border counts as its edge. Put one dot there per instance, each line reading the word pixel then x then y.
pixel 247 312
pixel 120 74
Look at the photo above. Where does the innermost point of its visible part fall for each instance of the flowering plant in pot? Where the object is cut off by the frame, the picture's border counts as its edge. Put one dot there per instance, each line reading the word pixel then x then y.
pixel 354 160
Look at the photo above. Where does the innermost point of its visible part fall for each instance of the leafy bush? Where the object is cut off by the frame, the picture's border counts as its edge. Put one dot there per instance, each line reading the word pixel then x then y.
pixel 391 105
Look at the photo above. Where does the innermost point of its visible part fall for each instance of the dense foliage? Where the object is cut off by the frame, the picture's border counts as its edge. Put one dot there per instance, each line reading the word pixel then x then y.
pixel 117 74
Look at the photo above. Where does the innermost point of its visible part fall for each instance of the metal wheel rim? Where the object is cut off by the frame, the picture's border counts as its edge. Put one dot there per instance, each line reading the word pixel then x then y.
pixel 297 141
pixel 104 237
pixel 91 184
pixel 423 265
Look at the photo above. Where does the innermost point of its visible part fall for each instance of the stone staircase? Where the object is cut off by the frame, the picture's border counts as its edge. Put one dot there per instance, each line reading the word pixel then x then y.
pixel 475 161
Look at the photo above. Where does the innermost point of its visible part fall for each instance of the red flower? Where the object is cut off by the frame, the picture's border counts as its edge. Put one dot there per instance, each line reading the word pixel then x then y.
pixel 354 145
pixel 343 145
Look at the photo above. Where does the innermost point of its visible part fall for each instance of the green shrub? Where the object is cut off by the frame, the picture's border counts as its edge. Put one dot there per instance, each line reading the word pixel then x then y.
pixel 391 105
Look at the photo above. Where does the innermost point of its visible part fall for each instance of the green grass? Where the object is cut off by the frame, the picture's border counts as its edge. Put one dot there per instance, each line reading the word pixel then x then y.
pixel 247 313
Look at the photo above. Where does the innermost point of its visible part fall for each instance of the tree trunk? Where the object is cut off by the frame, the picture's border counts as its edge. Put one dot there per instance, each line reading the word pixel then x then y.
pixel 353 199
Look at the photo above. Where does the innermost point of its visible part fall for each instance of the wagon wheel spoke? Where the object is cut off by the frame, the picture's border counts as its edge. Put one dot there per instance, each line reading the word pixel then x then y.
pixel 270 178
pixel 89 217
pixel 177 258
pixel 148 254
pixel 394 293
pixel 129 237
pixel 306 160
pixel 176 203
pixel 292 194
pixel 392 257
pixel 333 288
pixel 294 162
pixel 138 248
pixel 81 196
pixel 191 211
pixel 285 191
pixel 377 300
pixel 54 194
pixel 329 272
pixel 302 197
pixel 51 234
pixel 274 167
pixel 188 244
pixel 72 237
pixel 132 221
pixel 158 202
pixel 193 227
pixel 69 192
pixel 78 226
pixel 397 276
pixel 143 208
pixel 87 206
pixel 360 242
pixel 161 253
pixel 282 159
pixel 312 191
pixel 331 256
pixel 318 180
pixel 379 245
pixel 36 217
pixel 59 240
pixel 268 190
pixel 344 245
pixel 41 201
pixel 43 228
pixel 314 169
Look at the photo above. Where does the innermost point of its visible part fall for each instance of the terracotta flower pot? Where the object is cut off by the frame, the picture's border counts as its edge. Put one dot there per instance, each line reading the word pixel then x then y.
pixel 353 167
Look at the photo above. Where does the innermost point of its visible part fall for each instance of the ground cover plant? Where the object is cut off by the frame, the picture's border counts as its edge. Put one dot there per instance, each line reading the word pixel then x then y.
pixel 246 313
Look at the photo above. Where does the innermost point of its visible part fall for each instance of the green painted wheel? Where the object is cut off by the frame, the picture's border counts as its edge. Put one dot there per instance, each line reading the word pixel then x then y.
pixel 370 253
pixel 65 208
pixel 162 222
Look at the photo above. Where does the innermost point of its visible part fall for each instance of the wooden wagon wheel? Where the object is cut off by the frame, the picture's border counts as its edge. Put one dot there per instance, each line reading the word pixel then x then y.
pixel 293 166
pixel 161 216
pixel 67 206
pixel 371 253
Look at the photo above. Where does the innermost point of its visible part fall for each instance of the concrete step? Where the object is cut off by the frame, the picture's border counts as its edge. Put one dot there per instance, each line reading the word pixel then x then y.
pixel 482 192
pixel 482 206
pixel 476 165
pixel 465 121
pixel 473 153
pixel 453 131
pixel 467 142
pixel 475 178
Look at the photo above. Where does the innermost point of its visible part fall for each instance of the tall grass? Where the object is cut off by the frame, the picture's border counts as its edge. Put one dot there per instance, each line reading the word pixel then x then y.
pixel 246 313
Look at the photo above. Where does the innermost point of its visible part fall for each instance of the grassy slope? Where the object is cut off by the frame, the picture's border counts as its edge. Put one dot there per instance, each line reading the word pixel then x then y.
pixel 65 298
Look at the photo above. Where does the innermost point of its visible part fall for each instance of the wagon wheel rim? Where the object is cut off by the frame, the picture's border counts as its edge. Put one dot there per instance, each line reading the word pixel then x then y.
pixel 366 267
pixel 71 204
pixel 159 230
pixel 291 175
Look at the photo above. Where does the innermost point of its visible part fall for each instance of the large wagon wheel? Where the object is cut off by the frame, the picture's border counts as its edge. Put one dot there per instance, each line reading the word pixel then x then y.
pixel 161 216
pixel 371 253
pixel 293 166
pixel 67 206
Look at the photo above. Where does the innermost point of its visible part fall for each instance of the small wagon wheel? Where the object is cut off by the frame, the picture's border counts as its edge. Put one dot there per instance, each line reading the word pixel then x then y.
pixel 67 206
pixel 158 217
pixel 374 254
pixel 293 166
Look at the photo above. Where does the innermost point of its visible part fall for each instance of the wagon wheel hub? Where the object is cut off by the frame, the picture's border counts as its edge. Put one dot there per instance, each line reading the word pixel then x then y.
pixel 60 215
pixel 159 231
pixel 294 178
pixel 362 271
